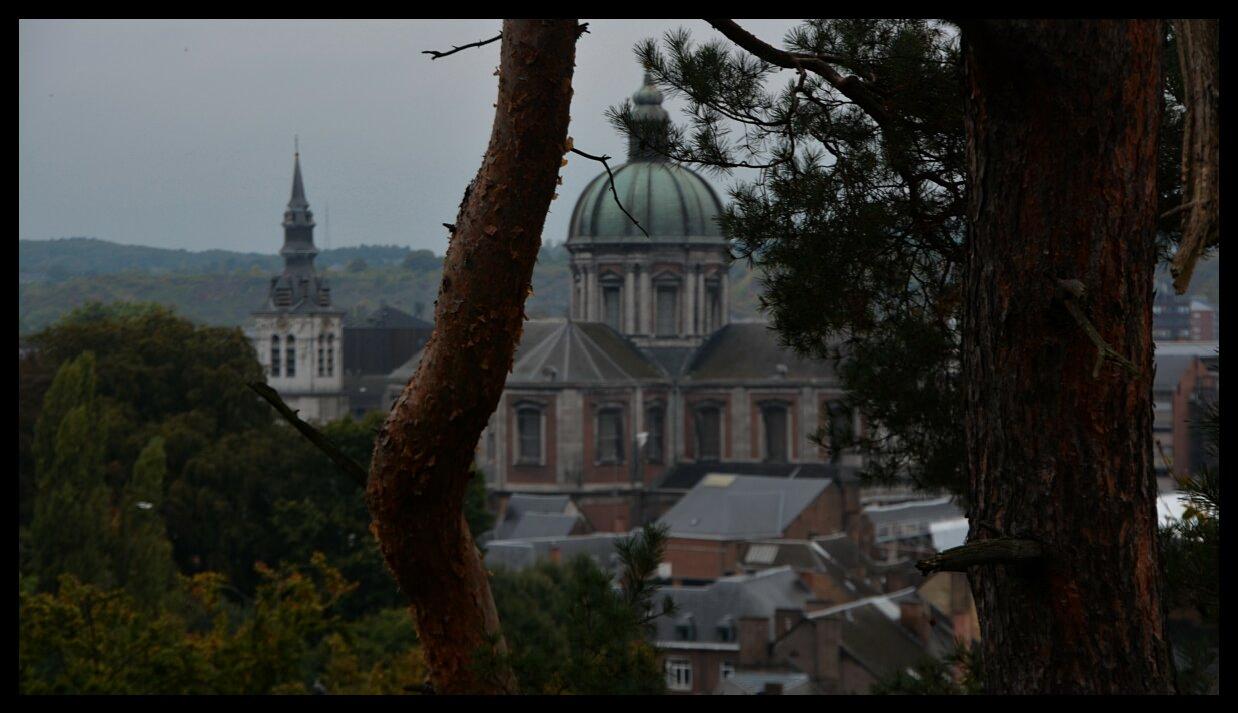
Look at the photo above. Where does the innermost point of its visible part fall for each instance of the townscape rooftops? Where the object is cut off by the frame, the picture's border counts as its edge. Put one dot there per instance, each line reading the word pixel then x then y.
pixel 750 351
pixel 741 507
pixel 754 682
pixel 1169 370
pixel 726 600
pixel 517 554
pixel 529 515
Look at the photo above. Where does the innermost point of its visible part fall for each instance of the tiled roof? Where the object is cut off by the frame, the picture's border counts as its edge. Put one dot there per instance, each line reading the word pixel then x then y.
pixel 565 351
pixel 685 476
pixel 728 599
pixel 750 351
pixel 741 507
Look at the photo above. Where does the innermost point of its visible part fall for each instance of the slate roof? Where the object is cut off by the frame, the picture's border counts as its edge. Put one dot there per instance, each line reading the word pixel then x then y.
pixel 753 682
pixel 536 516
pixel 685 476
pixel 804 555
pixel 736 507
pixel 729 598
pixel 874 637
pixel 517 554
pixel 566 351
pixel 750 351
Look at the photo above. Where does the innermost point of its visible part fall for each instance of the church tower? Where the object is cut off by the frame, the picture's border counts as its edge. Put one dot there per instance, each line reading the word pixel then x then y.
pixel 297 333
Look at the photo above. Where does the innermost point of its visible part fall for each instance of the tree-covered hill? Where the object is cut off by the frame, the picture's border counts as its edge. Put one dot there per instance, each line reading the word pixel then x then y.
pixel 221 287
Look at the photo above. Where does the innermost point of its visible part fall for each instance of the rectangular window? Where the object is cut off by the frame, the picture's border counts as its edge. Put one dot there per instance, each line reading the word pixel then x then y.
pixel 275 356
pixel 708 433
pixel 529 428
pixel 679 674
pixel 610 436
pixel 726 669
pixel 321 365
pixel 290 357
pixel 668 312
pixel 654 426
pixel 775 418
pixel 610 307
pixel 713 302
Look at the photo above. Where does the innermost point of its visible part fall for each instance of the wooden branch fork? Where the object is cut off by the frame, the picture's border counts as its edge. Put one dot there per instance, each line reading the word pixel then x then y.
pixel 999 550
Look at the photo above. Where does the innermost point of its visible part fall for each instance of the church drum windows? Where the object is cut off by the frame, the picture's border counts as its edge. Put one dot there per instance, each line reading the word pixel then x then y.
pixel 667 311
pixel 290 356
pixel 274 355
pixel 611 307
pixel 610 435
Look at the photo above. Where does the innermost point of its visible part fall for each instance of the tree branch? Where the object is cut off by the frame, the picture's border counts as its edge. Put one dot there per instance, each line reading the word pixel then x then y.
pixel 1000 550
pixel 350 468
pixel 603 159
pixel 434 54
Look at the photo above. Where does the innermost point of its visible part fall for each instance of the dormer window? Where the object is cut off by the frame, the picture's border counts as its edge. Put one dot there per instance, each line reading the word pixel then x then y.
pixel 726 629
pixel 685 627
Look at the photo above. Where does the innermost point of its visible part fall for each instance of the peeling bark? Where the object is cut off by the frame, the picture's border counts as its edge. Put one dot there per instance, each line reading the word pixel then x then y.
pixel 1199 57
pixel 1062 122
pixel 420 468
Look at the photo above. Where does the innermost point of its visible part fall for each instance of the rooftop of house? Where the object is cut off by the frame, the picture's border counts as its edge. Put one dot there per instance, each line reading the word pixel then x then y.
pixel 738 507
pixel 709 614
pixel 804 555
pixel 518 554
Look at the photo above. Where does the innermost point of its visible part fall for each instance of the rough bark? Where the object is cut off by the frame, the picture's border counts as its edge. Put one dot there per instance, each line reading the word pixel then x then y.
pixel 1062 121
pixel 422 455
pixel 1199 57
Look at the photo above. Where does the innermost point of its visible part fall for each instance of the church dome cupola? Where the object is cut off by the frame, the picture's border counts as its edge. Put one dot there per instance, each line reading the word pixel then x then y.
pixel 671 202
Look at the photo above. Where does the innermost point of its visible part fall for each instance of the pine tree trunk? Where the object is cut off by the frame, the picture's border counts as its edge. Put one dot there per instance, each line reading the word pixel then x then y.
pixel 420 469
pixel 1062 121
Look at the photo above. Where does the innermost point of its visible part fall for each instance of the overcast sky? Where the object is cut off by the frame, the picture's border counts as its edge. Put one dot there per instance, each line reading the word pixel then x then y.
pixel 179 134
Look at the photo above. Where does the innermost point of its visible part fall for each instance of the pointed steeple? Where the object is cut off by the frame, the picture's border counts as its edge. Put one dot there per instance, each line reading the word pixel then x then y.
pixel 652 124
pixel 299 284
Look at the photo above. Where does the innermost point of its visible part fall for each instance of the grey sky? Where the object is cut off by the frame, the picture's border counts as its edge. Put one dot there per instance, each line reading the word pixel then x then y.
pixel 179 134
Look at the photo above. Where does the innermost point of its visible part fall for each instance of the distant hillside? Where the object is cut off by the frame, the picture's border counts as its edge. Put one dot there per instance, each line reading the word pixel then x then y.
pixel 222 287
pixel 55 260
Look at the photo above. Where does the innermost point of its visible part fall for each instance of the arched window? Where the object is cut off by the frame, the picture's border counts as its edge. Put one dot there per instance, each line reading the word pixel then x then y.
pixel 330 355
pixel 274 355
pixel 290 356
pixel 655 426
pixel 708 432
pixel 529 434
pixel 774 420
pixel 610 435
pixel 321 366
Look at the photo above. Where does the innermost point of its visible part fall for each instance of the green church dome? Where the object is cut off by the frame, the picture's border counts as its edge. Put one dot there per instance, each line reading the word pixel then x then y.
pixel 671 202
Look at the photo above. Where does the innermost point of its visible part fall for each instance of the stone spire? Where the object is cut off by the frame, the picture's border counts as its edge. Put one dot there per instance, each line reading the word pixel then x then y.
pixel 299 285
pixel 652 124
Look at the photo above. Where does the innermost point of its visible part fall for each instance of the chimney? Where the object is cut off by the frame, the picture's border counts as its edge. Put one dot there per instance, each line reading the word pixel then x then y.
pixel 827 632
pixel 914 616
pixel 785 620
pixel 753 640
pixel 555 555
